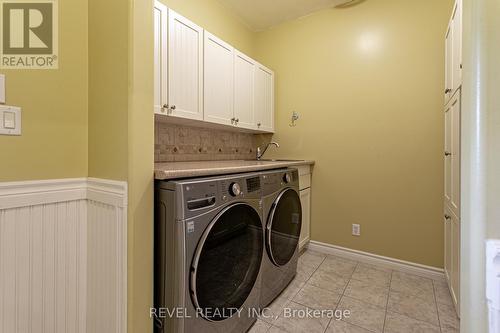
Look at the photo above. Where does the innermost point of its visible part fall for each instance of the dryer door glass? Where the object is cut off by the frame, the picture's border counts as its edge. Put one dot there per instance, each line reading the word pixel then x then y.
pixel 283 228
pixel 227 262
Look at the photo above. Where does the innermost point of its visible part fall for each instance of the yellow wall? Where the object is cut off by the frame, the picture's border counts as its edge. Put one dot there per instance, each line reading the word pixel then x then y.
pixel 210 15
pixel 108 88
pixel 367 82
pixel 141 165
pixel 54 108
pixel 371 117
pixel 217 19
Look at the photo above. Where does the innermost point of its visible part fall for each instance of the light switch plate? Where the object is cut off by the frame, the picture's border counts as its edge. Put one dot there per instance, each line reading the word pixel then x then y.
pixel 2 89
pixel 10 120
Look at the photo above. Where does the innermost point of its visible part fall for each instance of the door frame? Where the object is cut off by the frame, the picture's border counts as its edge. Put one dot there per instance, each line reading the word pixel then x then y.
pixel 480 156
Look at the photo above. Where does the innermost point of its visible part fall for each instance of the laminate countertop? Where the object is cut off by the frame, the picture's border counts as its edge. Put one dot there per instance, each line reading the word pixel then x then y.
pixel 174 170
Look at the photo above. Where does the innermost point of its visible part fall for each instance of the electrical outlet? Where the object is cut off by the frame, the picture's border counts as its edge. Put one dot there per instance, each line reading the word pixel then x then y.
pixel 356 230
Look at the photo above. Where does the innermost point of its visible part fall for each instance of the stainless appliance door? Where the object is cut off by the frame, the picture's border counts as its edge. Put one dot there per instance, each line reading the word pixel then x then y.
pixel 227 261
pixel 283 227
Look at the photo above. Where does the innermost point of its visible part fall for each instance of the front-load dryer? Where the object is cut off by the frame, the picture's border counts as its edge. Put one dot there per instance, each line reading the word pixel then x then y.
pixel 283 221
pixel 209 244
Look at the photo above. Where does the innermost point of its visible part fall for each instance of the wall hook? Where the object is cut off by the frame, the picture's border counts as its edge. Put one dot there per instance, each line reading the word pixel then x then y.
pixel 295 117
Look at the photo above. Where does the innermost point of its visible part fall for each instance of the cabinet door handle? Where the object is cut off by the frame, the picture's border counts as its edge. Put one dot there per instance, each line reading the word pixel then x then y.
pixel 447 217
pixel 232 120
pixel 258 124
pixel 447 153
pixel 448 90
pixel 172 107
pixel 237 121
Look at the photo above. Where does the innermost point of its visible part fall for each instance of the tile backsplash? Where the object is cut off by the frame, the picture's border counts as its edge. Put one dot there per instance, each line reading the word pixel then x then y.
pixel 184 143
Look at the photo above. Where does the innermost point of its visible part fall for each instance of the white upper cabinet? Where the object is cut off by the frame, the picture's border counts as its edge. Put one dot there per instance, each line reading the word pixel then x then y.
pixel 244 77
pixel 218 81
pixel 452 155
pixel 457 45
pixel 264 98
pixel 448 65
pixel 447 153
pixel 455 154
pixel 453 51
pixel 160 57
pixel 199 77
pixel 185 67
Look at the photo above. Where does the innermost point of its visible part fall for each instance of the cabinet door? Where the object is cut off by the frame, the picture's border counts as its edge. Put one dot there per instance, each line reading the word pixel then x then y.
pixel 448 64
pixel 452 255
pixel 455 262
pixel 218 81
pixel 244 75
pixel 264 99
pixel 185 63
pixel 160 57
pixel 455 154
pixel 447 154
pixel 447 245
pixel 457 45
pixel 305 201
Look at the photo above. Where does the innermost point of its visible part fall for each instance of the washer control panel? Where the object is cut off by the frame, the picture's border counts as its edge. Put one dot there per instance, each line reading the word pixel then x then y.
pixel 206 193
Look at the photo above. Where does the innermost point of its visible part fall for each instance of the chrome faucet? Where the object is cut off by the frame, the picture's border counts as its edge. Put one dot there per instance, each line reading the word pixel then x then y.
pixel 261 152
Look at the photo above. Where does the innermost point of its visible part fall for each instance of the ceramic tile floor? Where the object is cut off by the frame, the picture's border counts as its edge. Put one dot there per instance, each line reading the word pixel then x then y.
pixel 378 299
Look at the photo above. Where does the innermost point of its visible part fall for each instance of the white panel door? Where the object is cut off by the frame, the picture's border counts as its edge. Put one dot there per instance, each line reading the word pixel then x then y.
pixel 455 154
pixel 244 76
pixel 447 244
pixel 448 64
pixel 160 57
pixel 305 201
pixel 455 262
pixel 457 45
pixel 264 98
pixel 185 64
pixel 218 81
pixel 447 154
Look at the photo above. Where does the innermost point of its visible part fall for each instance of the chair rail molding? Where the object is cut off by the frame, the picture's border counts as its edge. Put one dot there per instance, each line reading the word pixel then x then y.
pixel 63 256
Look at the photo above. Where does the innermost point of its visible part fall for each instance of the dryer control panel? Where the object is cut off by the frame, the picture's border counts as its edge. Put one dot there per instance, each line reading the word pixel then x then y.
pixel 275 180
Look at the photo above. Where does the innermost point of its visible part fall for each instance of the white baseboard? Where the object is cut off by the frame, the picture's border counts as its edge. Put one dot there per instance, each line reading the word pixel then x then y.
pixel 375 259
pixel 63 243
pixel 303 243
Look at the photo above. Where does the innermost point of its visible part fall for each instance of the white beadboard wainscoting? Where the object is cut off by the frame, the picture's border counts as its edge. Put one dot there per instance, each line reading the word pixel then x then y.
pixel 63 256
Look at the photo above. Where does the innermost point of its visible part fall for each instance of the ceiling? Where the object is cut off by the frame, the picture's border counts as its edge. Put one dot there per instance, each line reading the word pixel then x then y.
pixel 263 14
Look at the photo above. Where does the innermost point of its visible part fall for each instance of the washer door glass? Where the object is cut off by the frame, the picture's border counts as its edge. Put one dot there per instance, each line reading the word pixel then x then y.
pixel 283 227
pixel 227 262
